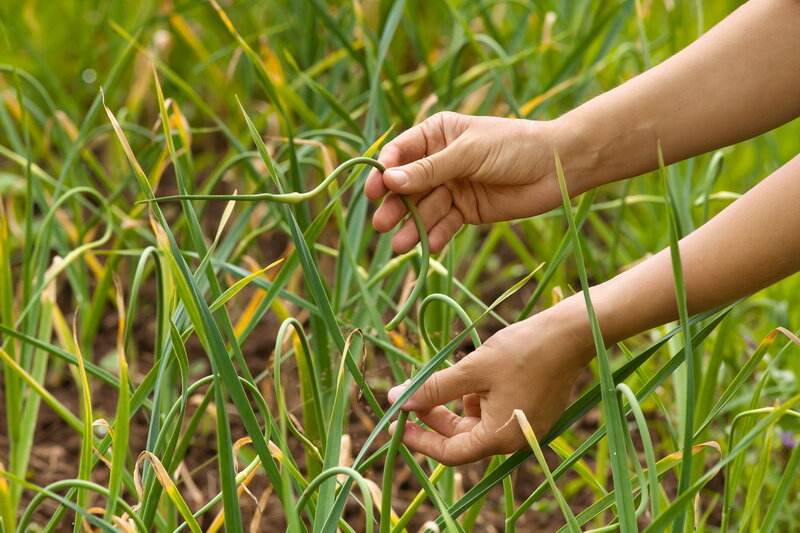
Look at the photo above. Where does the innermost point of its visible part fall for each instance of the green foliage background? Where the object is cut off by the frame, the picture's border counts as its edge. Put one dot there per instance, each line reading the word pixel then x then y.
pixel 198 355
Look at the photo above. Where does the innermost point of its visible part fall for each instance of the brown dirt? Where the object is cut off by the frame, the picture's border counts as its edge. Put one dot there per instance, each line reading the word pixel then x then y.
pixel 56 448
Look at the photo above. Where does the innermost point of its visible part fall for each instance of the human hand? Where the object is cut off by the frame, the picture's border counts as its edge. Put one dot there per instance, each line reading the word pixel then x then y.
pixel 531 365
pixel 462 169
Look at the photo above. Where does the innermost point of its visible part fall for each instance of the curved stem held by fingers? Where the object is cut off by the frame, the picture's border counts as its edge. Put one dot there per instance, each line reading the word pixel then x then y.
pixel 283 198
pixel 423 266
pixel 297 197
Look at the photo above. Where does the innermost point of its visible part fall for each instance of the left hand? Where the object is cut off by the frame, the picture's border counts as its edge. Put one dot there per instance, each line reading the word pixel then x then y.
pixel 531 365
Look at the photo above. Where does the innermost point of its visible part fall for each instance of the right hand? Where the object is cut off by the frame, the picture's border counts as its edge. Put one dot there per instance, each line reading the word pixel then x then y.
pixel 462 169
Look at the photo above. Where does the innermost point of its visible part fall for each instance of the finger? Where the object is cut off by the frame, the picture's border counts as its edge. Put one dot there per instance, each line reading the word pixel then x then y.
pixel 472 405
pixel 415 142
pixel 432 209
pixel 390 156
pixel 373 186
pixel 443 386
pixel 412 144
pixel 444 230
pixel 389 213
pixel 424 174
pixel 457 450
pixel 446 422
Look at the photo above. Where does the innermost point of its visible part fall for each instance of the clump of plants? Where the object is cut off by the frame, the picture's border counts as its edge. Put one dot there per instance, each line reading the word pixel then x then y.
pixel 192 295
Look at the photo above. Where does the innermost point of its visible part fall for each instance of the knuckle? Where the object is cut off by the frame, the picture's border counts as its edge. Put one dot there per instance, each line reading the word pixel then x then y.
pixel 430 391
pixel 470 368
pixel 444 122
pixel 445 203
pixel 426 168
pixel 447 196
pixel 443 117
pixel 389 151
pixel 454 424
pixel 458 217
pixel 502 342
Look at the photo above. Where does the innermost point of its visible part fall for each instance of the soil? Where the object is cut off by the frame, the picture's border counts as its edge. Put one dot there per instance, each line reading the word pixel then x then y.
pixel 56 447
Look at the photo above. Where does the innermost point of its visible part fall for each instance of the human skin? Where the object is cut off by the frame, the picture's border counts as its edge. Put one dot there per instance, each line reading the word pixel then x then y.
pixel 740 79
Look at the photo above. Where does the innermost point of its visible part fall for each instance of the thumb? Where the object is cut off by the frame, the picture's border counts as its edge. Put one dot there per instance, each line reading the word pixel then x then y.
pixel 442 387
pixel 425 174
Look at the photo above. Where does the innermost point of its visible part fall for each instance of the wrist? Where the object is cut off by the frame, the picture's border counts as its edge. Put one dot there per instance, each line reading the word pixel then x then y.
pixel 568 324
pixel 626 305
pixel 614 312
pixel 604 142
pixel 580 153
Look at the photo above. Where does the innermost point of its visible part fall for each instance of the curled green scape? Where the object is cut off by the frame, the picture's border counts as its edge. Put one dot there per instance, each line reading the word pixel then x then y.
pixel 297 197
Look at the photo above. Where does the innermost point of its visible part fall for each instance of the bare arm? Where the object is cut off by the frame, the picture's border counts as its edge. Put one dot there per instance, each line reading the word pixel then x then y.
pixel 532 365
pixel 740 79
pixel 751 244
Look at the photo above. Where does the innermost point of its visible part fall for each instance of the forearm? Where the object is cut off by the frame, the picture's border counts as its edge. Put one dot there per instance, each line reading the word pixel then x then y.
pixel 740 79
pixel 751 244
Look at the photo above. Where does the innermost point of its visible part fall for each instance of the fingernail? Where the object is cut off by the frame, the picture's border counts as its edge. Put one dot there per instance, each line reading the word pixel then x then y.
pixel 398 177
pixel 392 427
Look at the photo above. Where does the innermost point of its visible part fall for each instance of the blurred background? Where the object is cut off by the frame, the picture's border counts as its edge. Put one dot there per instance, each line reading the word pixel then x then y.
pixel 336 77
